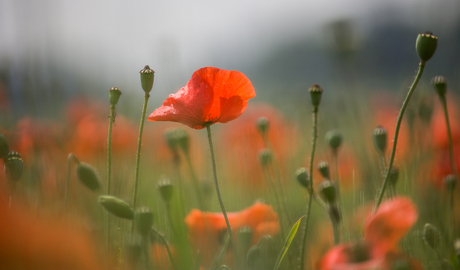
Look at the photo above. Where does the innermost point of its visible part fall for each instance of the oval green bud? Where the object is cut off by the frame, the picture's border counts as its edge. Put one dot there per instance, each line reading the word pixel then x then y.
pixel 88 176
pixel 166 189
pixel 334 212
pixel 379 138
pixel 394 176
pixel 263 125
pixel 328 191
pixel 143 218
pixel 265 157
pixel 114 95
pixel 171 140
pixel 450 181
pixel 431 236
pixel 440 85
pixel 315 93
pixel 302 177
pixel 183 139
pixel 426 46
pixel 147 78
pixel 14 166
pixel 4 148
pixel 323 168
pixel 116 207
pixel 334 138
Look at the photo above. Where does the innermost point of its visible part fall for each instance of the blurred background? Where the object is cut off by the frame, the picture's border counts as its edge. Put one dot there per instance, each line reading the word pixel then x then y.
pixel 52 51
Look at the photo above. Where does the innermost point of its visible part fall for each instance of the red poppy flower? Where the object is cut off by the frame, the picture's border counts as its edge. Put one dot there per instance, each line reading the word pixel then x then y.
pixel 206 229
pixel 382 232
pixel 211 96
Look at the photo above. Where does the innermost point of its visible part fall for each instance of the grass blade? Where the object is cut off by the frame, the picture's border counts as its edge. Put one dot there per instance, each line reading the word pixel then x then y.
pixel 287 244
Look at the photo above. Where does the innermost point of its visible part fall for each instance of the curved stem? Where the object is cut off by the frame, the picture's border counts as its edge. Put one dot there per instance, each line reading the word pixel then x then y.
pixel 109 165
pixel 398 126
pixel 216 185
pixel 310 199
pixel 138 157
pixel 167 247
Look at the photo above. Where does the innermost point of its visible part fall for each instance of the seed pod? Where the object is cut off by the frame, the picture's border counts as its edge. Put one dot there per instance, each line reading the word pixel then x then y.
pixel 263 125
pixel 147 78
pixel 431 236
pixel 14 166
pixel 114 95
pixel 116 207
pixel 302 177
pixel 143 220
pixel 328 191
pixel 426 46
pixel 394 176
pixel 334 138
pixel 379 138
pixel 323 168
pixel 166 189
pixel 183 139
pixel 440 85
pixel 88 176
pixel 4 149
pixel 315 93
pixel 265 157
pixel 450 181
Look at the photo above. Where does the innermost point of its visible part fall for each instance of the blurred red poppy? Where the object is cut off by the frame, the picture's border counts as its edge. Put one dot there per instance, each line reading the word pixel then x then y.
pixel 211 96
pixel 207 229
pixel 382 232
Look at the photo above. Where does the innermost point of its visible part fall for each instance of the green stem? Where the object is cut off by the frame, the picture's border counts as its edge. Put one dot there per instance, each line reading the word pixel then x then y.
pixel 138 157
pixel 216 185
pixel 335 227
pixel 109 165
pixel 310 199
pixel 70 157
pixel 335 160
pixel 453 167
pixel 167 247
pixel 194 181
pixel 398 126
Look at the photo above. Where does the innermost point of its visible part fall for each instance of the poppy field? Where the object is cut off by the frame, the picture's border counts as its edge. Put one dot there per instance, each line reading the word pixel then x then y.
pixel 212 180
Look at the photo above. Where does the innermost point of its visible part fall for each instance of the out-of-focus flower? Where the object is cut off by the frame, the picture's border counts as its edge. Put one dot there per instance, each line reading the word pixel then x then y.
pixel 382 232
pixel 207 230
pixel 211 96
pixel 31 242
pixel 241 143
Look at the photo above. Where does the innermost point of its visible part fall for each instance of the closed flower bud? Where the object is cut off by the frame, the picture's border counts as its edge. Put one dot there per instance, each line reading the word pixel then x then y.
pixel 440 85
pixel 302 177
pixel 143 218
pixel 315 93
pixel 116 207
pixel 265 157
pixel 450 181
pixel 171 140
pixel 328 191
pixel 426 46
pixel 334 138
pixel 263 125
pixel 114 95
pixel 379 138
pixel 431 236
pixel 183 139
pixel 323 168
pixel 147 78
pixel 394 176
pixel 14 166
pixel 88 176
pixel 244 239
pixel 4 149
pixel 166 189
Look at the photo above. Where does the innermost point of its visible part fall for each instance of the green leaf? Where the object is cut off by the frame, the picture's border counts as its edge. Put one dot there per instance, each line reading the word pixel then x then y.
pixel 287 244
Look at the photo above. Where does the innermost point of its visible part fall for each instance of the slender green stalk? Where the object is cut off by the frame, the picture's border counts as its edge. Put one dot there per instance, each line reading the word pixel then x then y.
pixel 398 126
pixel 310 199
pixel 335 160
pixel 216 185
pixel 69 160
pixel 167 247
pixel 196 185
pixel 138 157
pixel 109 165
pixel 335 227
pixel 453 167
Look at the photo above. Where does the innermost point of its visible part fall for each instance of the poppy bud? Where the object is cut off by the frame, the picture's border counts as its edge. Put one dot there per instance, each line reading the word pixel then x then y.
pixel 426 46
pixel 4 149
pixel 114 95
pixel 328 191
pixel 263 125
pixel 144 220
pixel 166 189
pixel 14 166
pixel 440 85
pixel 302 177
pixel 265 157
pixel 183 139
pixel 171 140
pixel 431 236
pixel 116 207
pixel 87 175
pixel 450 181
pixel 394 176
pixel 147 77
pixel 323 168
pixel 244 238
pixel 425 109
pixel 334 138
pixel 379 138
pixel 315 93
